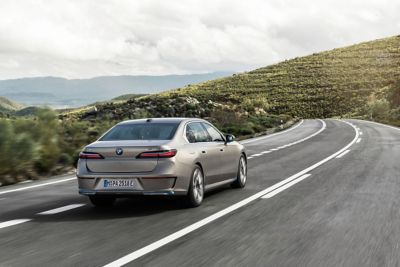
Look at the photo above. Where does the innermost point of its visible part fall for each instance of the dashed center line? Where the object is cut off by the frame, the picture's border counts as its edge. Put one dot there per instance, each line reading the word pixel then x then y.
pixel 49 212
pixel 61 209
pixel 286 186
pixel 37 185
pixel 358 140
pixel 13 222
pixel 344 153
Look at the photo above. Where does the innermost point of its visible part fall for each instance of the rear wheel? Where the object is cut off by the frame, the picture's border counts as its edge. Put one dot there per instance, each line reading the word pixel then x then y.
pixel 242 173
pixel 196 188
pixel 102 201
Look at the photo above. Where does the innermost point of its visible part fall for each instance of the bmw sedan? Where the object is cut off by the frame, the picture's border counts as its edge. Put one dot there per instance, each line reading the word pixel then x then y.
pixel 167 156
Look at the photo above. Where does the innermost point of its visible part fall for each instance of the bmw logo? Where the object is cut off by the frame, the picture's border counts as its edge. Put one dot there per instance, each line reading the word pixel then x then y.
pixel 119 151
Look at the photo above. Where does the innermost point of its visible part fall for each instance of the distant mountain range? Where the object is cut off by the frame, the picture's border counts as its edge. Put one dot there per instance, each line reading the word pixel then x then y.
pixel 65 93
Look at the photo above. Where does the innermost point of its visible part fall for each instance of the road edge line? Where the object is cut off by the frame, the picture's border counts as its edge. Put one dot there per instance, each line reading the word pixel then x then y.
pixel 258 138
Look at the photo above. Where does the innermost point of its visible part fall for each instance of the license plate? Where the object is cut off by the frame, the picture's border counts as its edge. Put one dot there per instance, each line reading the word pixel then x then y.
pixel 119 184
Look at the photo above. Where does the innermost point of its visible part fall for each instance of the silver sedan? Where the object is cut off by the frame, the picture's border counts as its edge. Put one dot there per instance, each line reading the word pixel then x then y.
pixel 166 156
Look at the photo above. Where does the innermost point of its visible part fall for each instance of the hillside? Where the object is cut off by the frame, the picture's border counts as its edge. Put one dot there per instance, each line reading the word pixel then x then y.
pixel 8 106
pixel 326 84
pixel 66 93
pixel 340 82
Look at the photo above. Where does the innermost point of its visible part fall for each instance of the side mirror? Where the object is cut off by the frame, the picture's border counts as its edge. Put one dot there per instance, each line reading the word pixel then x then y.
pixel 229 138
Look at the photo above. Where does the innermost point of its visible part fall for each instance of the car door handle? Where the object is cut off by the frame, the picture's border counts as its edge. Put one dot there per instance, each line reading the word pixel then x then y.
pixel 204 152
pixel 221 149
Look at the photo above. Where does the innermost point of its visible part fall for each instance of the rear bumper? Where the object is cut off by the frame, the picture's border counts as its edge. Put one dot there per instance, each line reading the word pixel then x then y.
pixel 148 185
pixel 122 193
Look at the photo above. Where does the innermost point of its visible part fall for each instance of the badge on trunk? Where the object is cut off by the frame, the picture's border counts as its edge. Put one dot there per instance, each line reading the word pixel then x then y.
pixel 119 151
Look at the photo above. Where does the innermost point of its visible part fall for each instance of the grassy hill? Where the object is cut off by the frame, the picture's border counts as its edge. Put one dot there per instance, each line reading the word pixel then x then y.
pixel 326 84
pixel 358 80
pixel 7 106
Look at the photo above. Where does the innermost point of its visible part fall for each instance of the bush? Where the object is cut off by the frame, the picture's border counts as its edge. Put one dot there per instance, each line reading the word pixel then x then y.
pixel 18 152
pixel 379 109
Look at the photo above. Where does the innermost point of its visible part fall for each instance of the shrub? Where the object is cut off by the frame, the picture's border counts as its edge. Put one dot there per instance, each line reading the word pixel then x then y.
pixel 379 109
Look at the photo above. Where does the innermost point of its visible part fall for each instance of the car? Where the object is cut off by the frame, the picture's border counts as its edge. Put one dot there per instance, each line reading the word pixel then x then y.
pixel 183 157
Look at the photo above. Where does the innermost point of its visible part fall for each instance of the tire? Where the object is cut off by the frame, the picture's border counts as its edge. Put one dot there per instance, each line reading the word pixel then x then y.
pixel 102 201
pixel 195 195
pixel 241 177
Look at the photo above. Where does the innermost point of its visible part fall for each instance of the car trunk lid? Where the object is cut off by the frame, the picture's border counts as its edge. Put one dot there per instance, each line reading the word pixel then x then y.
pixel 121 156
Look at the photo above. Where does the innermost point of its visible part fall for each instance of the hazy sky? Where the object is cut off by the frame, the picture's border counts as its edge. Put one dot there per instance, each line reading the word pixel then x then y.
pixel 86 38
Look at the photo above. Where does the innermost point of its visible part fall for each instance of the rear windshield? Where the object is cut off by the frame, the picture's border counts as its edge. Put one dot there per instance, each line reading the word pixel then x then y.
pixel 142 131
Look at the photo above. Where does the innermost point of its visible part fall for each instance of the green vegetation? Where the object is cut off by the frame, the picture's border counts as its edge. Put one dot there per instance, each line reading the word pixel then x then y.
pixel 127 97
pixel 42 145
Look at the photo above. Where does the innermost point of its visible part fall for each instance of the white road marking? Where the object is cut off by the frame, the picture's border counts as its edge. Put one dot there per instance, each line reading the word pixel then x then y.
pixel 286 186
pixel 344 153
pixel 270 135
pixel 291 144
pixel 61 209
pixel 25 182
pixel 381 124
pixel 13 222
pixel 174 236
pixel 37 185
pixel 361 133
pixel 358 140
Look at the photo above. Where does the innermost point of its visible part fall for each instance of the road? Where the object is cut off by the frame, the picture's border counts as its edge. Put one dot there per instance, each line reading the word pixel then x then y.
pixel 323 193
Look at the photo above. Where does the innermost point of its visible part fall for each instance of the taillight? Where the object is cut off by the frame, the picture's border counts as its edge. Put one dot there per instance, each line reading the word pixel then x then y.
pixel 158 154
pixel 90 155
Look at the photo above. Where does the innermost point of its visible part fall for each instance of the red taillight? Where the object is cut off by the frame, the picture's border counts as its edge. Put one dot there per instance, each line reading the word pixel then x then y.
pixel 90 155
pixel 158 154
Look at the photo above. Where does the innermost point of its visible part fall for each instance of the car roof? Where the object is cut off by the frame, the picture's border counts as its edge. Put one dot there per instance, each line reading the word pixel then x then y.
pixel 160 120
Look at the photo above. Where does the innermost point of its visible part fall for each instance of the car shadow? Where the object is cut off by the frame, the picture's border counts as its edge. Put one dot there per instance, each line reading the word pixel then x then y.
pixel 137 206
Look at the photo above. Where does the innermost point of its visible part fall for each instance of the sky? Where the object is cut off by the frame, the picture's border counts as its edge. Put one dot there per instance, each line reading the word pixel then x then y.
pixel 88 38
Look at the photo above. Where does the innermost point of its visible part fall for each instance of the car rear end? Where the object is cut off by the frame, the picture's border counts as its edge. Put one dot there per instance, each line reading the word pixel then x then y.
pixel 116 165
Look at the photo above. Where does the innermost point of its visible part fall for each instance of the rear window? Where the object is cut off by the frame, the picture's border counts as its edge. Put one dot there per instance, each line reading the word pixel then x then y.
pixel 142 131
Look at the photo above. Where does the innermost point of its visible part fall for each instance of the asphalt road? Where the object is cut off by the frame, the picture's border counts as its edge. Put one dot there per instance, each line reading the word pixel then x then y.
pixel 323 193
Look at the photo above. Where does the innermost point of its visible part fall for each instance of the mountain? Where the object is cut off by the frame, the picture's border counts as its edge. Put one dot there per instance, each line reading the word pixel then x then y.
pixel 61 93
pixel 8 106
pixel 361 80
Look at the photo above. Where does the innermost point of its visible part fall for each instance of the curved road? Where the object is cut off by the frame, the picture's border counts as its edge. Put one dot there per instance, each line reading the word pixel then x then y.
pixel 323 193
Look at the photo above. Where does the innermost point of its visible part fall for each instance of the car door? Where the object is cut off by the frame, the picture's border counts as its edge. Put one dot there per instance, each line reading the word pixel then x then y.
pixel 209 154
pixel 228 155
